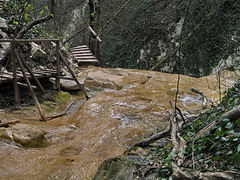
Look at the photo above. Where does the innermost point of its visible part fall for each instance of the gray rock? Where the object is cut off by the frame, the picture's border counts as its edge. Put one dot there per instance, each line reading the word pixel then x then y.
pixel 231 63
pixel 3 24
pixel 24 134
pixel 116 169
pixel 69 85
pixel 3 45
pixel 37 52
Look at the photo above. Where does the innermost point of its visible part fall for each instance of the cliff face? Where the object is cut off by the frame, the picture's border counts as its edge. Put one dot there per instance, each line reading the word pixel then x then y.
pixel 147 33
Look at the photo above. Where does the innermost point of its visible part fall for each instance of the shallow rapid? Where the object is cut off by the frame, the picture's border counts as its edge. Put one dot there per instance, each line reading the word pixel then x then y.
pixel 126 106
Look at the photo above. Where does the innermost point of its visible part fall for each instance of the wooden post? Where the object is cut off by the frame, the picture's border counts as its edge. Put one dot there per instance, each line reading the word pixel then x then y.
pixel 74 76
pixel 58 65
pixel 15 85
pixel 31 73
pixel 30 87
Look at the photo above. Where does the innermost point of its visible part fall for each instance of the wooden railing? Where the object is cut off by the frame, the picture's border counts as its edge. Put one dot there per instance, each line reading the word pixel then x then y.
pixel 17 58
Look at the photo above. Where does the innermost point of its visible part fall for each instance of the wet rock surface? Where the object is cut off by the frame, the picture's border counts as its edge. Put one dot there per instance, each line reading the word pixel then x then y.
pixel 26 135
pixel 126 106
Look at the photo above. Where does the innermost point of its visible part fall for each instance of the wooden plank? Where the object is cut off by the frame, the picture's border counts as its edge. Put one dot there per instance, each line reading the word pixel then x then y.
pixel 80 49
pixel 25 85
pixel 68 78
pixel 10 73
pixel 29 40
pixel 88 60
pixel 82 46
pixel 6 76
pixel 43 73
pixel 81 52
pixel 2 79
pixel 48 71
pixel 85 57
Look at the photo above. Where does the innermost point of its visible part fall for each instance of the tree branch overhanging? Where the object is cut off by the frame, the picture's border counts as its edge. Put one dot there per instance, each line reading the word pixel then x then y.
pixel 31 24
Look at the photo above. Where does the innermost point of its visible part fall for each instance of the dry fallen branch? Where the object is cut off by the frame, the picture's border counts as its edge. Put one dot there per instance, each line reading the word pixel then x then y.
pixel 179 174
pixel 179 144
pixel 227 175
pixel 155 137
pixel 204 130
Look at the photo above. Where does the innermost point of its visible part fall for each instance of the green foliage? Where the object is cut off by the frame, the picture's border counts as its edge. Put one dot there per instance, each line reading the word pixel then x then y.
pixel 20 13
pixel 218 149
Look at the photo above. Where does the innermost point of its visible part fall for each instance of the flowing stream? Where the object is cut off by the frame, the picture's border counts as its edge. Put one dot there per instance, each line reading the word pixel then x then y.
pixel 129 105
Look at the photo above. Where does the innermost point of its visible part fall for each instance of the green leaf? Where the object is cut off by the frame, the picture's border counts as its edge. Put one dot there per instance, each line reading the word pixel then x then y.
pixel 229 125
pixel 224 139
pixel 229 152
pixel 238 148
pixel 42 11
pixel 238 121
pixel 15 22
pixel 235 139
pixel 225 120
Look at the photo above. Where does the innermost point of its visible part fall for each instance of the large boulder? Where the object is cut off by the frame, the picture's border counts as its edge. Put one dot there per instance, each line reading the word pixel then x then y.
pixel 69 85
pixel 37 52
pixel 3 45
pixel 24 134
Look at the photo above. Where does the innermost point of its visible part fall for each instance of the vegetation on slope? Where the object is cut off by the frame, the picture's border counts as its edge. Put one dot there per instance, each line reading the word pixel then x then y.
pixel 213 139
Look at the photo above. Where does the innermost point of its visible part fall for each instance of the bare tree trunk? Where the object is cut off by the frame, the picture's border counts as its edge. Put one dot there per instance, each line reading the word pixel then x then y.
pixel 95 23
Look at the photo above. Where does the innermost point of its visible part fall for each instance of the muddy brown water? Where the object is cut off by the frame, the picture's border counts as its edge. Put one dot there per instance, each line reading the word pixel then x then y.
pixel 132 105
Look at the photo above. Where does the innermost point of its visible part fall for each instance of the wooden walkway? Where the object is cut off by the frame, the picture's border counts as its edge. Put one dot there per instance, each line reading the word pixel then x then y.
pixel 82 55
pixel 27 73
pixel 40 74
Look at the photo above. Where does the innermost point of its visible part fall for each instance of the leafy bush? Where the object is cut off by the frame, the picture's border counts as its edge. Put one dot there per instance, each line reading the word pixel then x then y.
pixel 218 149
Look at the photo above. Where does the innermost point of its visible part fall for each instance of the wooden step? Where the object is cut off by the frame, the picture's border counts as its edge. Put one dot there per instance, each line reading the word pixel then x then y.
pixel 25 85
pixel 68 78
pixel 87 60
pixel 81 52
pixel 80 48
pixel 85 57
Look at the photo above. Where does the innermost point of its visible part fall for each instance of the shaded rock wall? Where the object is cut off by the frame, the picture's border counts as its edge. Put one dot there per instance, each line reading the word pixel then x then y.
pixel 147 31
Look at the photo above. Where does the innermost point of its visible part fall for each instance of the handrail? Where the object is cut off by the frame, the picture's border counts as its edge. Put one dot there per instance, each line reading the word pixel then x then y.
pixel 29 40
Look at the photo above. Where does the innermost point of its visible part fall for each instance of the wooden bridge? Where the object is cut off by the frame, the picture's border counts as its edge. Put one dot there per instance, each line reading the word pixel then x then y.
pixel 44 73
pixel 26 72
pixel 83 56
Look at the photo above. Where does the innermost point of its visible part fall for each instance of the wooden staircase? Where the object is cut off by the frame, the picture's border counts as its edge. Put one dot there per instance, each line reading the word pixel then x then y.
pixel 83 56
